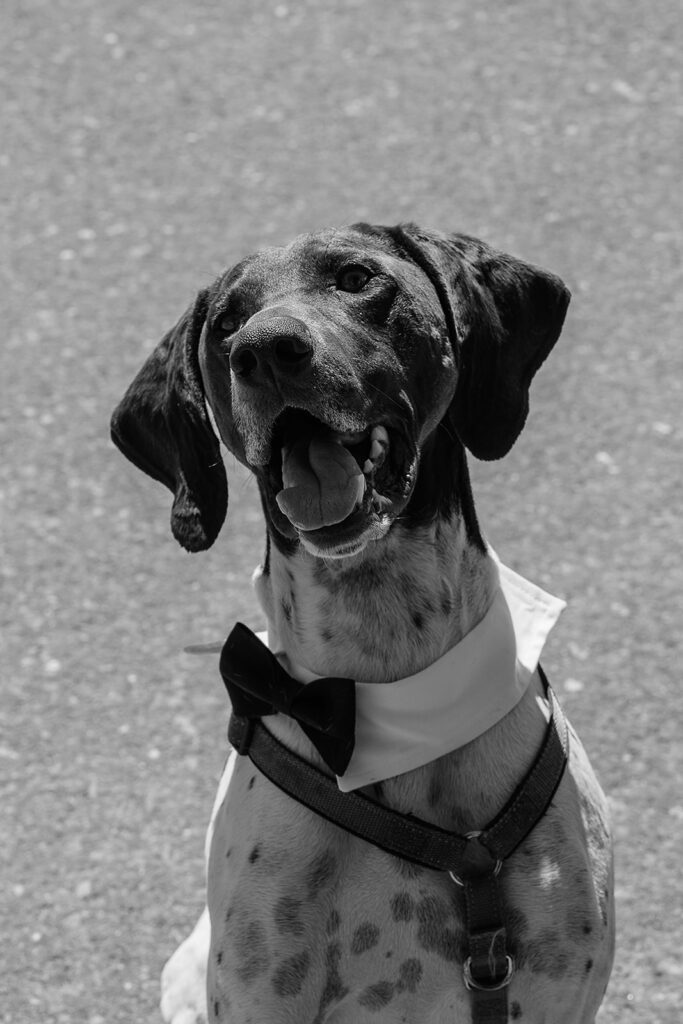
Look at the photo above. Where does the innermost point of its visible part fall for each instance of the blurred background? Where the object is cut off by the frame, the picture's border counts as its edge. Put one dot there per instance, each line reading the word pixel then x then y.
pixel 144 147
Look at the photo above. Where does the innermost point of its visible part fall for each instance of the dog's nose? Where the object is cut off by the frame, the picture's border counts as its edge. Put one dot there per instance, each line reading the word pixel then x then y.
pixel 271 346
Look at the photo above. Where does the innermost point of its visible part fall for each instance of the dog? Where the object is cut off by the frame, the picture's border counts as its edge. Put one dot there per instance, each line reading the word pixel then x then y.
pixel 350 371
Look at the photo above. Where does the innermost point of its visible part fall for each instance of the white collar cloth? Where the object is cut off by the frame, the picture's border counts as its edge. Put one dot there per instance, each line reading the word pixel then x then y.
pixel 403 725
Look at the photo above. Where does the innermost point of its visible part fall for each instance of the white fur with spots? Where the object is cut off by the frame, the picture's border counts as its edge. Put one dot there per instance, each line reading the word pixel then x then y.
pixel 309 924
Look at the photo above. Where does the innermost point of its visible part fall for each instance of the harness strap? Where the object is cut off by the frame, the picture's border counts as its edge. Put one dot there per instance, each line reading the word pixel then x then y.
pixel 532 797
pixel 404 835
pixel 488 967
pixel 399 834
pixel 473 861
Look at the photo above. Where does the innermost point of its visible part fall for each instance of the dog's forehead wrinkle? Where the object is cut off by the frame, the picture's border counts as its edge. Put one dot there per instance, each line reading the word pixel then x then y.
pixel 242 273
pixel 294 273
pixel 260 278
pixel 316 252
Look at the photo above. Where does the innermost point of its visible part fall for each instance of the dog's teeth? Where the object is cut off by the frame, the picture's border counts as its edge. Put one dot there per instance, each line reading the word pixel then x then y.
pixel 376 449
pixel 379 501
pixel 287 478
pixel 369 466
pixel 380 434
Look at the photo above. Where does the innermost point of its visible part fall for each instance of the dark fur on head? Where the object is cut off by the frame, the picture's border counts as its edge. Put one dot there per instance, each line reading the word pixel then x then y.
pixel 162 426
pixel 502 315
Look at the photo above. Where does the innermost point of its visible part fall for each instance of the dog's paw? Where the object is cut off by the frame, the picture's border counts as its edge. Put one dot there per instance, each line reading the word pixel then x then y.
pixel 183 979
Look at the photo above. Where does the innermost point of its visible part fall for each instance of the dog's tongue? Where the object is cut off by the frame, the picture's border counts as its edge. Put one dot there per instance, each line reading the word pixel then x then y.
pixel 322 483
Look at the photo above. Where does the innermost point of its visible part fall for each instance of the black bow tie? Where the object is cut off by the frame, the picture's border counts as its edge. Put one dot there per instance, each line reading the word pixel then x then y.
pixel 258 685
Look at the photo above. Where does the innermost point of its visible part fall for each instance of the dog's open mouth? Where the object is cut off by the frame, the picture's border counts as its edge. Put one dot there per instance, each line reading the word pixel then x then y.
pixel 332 486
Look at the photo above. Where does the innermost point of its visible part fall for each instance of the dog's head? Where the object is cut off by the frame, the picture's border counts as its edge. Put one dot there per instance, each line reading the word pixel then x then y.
pixel 347 371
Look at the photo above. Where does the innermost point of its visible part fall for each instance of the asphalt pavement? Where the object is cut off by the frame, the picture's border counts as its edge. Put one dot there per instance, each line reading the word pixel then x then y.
pixel 144 147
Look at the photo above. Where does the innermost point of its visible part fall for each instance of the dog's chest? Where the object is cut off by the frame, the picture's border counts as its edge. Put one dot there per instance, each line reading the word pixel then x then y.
pixel 312 925
pixel 306 919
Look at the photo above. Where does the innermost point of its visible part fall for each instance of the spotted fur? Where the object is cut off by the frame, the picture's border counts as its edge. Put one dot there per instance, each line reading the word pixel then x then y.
pixel 309 925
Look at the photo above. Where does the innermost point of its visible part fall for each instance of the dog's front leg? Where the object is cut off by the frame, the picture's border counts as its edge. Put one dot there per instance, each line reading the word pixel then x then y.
pixel 183 979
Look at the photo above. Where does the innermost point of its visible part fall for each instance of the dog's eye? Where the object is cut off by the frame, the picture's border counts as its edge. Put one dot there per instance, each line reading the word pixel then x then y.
pixel 228 323
pixel 353 278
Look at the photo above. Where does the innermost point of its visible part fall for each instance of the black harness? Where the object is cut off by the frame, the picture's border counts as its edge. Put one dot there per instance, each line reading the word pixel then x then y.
pixel 473 861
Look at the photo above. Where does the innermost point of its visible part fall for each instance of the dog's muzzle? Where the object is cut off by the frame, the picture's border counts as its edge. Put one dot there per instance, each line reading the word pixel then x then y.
pixel 272 348
pixel 333 474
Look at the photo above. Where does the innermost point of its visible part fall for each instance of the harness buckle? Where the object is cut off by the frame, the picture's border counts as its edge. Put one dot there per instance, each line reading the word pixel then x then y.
pixel 478 868
pixel 471 984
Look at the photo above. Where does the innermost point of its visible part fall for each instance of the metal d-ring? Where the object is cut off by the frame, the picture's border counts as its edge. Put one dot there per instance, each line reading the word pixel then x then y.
pixel 471 984
pixel 496 869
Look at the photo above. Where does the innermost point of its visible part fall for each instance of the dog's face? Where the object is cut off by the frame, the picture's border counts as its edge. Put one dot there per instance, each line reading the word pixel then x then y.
pixel 346 370
pixel 327 365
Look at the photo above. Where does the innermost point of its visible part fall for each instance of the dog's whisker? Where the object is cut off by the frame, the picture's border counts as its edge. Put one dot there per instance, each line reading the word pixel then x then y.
pixel 379 391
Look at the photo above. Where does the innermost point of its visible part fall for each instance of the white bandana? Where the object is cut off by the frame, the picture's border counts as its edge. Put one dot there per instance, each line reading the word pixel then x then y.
pixel 408 723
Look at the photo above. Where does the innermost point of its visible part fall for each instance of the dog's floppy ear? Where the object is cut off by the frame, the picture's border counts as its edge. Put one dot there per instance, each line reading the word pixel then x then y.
pixel 162 426
pixel 504 316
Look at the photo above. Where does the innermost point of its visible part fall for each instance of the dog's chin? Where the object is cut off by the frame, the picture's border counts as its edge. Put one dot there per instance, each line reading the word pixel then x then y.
pixel 354 534
pixel 348 538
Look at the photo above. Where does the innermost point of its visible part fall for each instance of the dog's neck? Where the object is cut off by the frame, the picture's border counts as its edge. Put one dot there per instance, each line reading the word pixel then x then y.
pixel 381 615
pixel 388 614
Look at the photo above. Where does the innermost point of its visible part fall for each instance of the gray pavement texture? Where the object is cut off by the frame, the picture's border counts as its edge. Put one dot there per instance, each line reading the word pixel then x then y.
pixel 146 145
